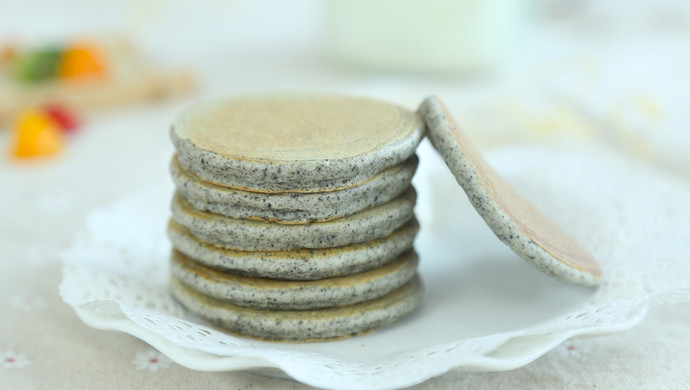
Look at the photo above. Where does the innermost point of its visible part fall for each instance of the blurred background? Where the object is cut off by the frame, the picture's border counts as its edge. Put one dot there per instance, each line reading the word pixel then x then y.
pixel 600 74
pixel 614 71
pixel 511 70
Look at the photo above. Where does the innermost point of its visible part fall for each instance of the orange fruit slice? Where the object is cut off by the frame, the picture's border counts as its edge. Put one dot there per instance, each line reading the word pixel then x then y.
pixel 36 134
pixel 81 60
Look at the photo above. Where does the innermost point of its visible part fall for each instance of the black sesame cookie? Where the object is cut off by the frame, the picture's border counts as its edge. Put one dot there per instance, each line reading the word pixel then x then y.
pixel 293 207
pixel 293 143
pixel 302 325
pixel 514 220
pixel 298 264
pixel 262 293
pixel 245 234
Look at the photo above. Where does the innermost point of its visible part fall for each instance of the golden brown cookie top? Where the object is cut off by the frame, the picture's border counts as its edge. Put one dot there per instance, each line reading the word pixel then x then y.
pixel 294 128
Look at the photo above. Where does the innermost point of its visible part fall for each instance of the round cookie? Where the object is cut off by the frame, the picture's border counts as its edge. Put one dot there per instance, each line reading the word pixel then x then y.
pixel 244 234
pixel 515 221
pixel 289 207
pixel 298 264
pixel 302 325
pixel 294 144
pixel 271 294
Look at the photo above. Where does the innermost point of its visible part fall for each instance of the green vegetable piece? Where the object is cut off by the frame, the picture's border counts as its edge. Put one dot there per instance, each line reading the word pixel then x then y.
pixel 36 66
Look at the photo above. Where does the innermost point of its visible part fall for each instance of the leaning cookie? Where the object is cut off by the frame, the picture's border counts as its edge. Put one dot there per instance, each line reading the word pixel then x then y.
pixel 243 234
pixel 294 144
pixel 261 293
pixel 302 325
pixel 514 220
pixel 290 207
pixel 298 264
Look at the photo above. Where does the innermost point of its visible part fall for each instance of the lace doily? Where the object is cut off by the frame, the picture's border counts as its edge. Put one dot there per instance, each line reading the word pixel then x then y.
pixel 484 308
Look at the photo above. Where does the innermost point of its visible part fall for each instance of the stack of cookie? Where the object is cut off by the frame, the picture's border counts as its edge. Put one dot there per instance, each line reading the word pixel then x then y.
pixel 293 217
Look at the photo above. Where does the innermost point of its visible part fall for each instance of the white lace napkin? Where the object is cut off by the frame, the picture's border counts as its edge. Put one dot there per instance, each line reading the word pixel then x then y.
pixel 484 308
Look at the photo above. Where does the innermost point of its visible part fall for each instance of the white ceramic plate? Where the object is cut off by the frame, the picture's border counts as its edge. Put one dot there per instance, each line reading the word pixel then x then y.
pixel 483 309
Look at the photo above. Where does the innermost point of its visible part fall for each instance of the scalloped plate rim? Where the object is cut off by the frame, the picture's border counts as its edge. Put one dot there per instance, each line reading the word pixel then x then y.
pixel 204 361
